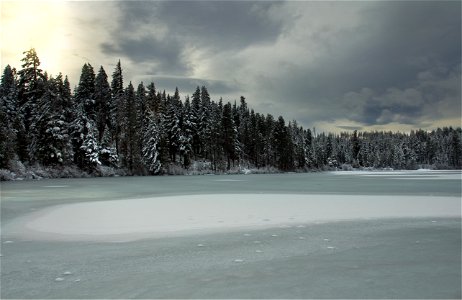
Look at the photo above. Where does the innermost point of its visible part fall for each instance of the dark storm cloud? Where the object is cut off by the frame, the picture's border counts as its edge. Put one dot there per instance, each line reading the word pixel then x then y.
pixel 376 62
pixel 164 53
pixel 163 31
pixel 395 44
pixel 222 24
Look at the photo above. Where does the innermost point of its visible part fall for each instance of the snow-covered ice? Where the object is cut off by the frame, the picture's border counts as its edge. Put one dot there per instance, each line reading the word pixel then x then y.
pixel 131 219
pixel 391 242
pixel 421 174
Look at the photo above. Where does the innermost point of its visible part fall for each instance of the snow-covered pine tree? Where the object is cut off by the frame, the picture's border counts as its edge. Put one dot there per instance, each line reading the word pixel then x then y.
pixel 102 98
pixel 243 129
pixel 253 151
pixel 83 134
pixel 117 105
pixel 260 140
pixel 308 148
pixel 50 143
pixel 283 145
pixel 229 135
pixel 8 115
pixel 85 92
pixel 172 126
pixel 214 145
pixel 205 122
pixel 195 119
pixel 150 151
pixel 269 149
pixel 152 102
pixel 107 153
pixel 141 103
pixel 9 92
pixel 31 86
pixel 187 127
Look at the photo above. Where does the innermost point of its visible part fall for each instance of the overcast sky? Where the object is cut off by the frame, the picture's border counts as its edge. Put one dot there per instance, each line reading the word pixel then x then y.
pixel 367 65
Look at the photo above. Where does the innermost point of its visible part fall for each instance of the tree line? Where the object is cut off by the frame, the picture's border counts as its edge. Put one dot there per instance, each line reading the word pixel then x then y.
pixel 144 131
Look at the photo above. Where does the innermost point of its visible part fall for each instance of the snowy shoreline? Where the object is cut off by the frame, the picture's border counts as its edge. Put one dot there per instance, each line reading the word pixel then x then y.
pixel 134 219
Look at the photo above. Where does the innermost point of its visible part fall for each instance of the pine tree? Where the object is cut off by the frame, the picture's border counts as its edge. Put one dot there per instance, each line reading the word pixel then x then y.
pixel 8 115
pixel 102 96
pixel 9 93
pixel 7 138
pixel 141 103
pixel 85 92
pixel 31 87
pixel 283 145
pixel 196 111
pixel 117 105
pixel 172 126
pixel 308 148
pixel 455 149
pixel 151 99
pixel 228 135
pixel 150 151
pixel 50 143
pixel 204 122
pixel 214 145
pixel 83 134
pixel 186 137
pixel 355 146
pixel 131 157
pixel 31 82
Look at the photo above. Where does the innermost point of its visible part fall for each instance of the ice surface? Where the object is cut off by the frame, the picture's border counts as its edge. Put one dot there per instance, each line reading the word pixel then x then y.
pixel 127 220
pixel 421 174
pixel 373 258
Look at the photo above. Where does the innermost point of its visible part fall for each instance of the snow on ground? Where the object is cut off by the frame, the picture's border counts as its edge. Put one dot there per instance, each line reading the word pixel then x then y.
pixel 421 174
pixel 132 219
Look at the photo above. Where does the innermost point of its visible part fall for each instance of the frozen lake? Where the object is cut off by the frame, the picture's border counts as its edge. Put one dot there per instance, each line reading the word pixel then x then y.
pixel 323 235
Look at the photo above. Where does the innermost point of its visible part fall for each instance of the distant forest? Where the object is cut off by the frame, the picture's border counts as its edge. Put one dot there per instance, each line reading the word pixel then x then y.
pixel 106 128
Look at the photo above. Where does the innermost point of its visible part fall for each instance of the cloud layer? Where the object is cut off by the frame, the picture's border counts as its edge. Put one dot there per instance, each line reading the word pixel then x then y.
pixel 334 65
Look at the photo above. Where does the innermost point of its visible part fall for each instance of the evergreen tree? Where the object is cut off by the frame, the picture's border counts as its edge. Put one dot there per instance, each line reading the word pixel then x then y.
pixel 283 145
pixel 102 96
pixel 117 105
pixel 50 144
pixel 151 99
pixel 455 148
pixel 228 135
pixel 31 87
pixel 130 137
pixel 83 134
pixel 196 111
pixel 150 151
pixel 172 126
pixel 205 125
pixel 214 145
pixel 141 111
pixel 85 92
pixel 186 138
pixel 9 93
pixel 8 115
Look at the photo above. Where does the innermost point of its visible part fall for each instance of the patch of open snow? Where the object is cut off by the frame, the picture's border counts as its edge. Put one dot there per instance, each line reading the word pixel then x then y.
pixel 133 219
pixel 55 186
pixel 228 180
pixel 406 174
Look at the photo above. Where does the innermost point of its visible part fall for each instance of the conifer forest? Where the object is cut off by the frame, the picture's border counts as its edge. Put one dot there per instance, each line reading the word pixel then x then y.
pixel 107 127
